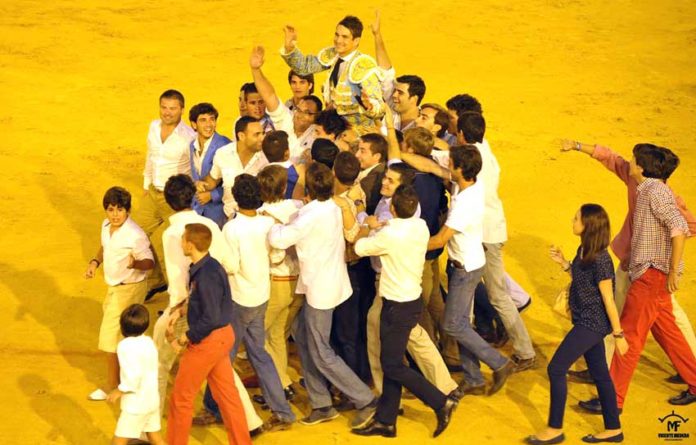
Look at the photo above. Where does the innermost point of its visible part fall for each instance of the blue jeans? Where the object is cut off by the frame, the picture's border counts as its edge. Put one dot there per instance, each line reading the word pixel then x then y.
pixel 457 324
pixel 247 323
pixel 321 364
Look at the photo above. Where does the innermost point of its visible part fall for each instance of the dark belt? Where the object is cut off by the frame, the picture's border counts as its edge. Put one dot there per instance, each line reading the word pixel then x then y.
pixel 456 264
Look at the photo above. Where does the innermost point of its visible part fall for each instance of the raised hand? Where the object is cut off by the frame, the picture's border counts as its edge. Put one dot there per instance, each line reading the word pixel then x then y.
pixel 567 145
pixel 375 26
pixel 290 37
pixel 257 56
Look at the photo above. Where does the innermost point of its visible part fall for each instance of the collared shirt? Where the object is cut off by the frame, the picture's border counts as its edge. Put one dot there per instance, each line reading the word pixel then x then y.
pixel 282 119
pixel 441 157
pixel 352 233
pixel 199 154
pixel 363 173
pixel 210 300
pixel 176 263
pixel 227 165
pixel 284 211
pixel 621 244
pixel 494 225
pixel 465 217
pixel 401 247
pixel 168 158
pixel 137 359
pixel 128 240
pixel 317 234
pixel 656 220
pixel 247 240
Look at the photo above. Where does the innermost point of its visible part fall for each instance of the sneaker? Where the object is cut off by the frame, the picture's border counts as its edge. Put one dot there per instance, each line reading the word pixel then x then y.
pixel 98 395
pixel 320 415
pixel 205 418
pixel 275 423
pixel 364 415
pixel 523 364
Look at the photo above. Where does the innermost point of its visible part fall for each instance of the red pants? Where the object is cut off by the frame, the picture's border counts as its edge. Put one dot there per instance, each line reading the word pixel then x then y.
pixel 209 360
pixel 649 308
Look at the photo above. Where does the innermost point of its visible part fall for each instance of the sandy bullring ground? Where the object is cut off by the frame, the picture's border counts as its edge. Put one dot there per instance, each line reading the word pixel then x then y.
pixel 79 82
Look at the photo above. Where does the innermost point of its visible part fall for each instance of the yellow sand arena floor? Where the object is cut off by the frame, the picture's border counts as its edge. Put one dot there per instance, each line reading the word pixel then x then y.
pixel 79 82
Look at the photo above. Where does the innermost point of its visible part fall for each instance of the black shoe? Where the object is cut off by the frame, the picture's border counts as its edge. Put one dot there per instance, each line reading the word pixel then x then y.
pixel 465 388
pixel 676 379
pixel 593 406
pixel 525 306
pixel 500 376
pixel 444 415
pixel 613 439
pixel 685 398
pixel 532 440
pixel 581 376
pixel 289 393
pixel 454 368
pixel 154 291
pixel 375 428
pixel 258 398
pixel 256 431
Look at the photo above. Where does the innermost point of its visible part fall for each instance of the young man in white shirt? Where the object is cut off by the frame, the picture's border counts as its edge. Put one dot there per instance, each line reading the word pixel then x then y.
pixel 318 237
pixel 137 357
pixel 471 130
pixel 463 235
pixel 179 192
pixel 401 246
pixel 168 141
pixel 247 240
pixel 126 255
pixel 242 156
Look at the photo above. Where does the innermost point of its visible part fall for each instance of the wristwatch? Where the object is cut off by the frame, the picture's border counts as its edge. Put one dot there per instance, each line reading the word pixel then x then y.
pixel 358 202
pixel 619 335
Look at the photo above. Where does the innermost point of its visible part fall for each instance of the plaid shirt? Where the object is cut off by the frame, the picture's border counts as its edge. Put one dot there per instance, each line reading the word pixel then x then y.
pixel 655 221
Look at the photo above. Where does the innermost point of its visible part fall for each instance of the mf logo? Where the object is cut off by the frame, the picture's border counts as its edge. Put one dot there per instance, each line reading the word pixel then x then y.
pixel 674 422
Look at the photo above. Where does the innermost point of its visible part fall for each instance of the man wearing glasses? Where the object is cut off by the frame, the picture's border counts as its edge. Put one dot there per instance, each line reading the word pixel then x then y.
pixel 298 125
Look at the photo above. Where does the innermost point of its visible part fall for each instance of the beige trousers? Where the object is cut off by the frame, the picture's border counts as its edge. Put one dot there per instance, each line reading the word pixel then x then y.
pixel 276 320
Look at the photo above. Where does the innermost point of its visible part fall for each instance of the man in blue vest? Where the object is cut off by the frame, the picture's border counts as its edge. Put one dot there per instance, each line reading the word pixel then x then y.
pixel 203 119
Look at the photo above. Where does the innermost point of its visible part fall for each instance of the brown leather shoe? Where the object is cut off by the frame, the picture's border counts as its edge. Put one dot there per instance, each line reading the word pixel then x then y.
pixel 500 376
pixel 205 418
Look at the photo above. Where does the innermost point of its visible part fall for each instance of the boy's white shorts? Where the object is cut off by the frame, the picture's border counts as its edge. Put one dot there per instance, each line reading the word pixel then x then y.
pixel 131 426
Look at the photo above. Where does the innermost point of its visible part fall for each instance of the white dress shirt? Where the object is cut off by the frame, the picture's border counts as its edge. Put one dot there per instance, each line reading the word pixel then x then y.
pixel 128 240
pixel 247 240
pixel 466 219
pixel 176 263
pixel 401 246
pixel 168 158
pixel 198 154
pixel 227 165
pixel 284 211
pixel 317 234
pixel 137 358
pixel 494 225
pixel 282 119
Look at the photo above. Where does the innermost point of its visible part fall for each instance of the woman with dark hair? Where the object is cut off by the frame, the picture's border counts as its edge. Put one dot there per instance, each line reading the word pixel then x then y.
pixel 594 315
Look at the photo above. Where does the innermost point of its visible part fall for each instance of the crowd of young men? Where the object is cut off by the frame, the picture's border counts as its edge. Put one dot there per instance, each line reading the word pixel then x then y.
pixel 329 217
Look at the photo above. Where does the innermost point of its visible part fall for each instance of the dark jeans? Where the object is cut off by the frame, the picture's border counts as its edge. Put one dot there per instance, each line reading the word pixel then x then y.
pixel 349 330
pixel 582 341
pixel 247 323
pixel 397 320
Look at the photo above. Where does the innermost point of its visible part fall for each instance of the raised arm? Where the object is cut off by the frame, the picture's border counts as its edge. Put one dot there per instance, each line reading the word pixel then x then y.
pixel 263 85
pixel 394 151
pixel 608 158
pixel 380 49
pixel 297 61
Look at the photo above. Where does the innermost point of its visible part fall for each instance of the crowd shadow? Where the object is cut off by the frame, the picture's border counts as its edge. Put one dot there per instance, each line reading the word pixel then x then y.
pixel 67 419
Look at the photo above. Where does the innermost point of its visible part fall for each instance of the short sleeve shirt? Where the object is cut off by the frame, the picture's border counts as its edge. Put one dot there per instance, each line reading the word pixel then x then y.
pixel 586 305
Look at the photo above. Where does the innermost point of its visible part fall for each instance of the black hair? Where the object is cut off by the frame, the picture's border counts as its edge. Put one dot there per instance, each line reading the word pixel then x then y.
pixel 248 88
pixel 319 181
pixel 308 77
pixel 656 162
pixel 464 102
pixel 467 158
pixel 472 125
pixel 202 108
pixel 117 196
pixel 405 201
pixel 275 145
pixel 353 24
pixel 346 168
pixel 173 94
pixel 316 100
pixel 331 122
pixel 242 124
pixel 416 86
pixel 378 145
pixel 406 173
pixel 246 191
pixel 134 320
pixel 324 151
pixel 179 192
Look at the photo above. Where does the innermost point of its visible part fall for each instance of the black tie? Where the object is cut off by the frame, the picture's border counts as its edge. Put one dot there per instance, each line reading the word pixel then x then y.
pixel 334 74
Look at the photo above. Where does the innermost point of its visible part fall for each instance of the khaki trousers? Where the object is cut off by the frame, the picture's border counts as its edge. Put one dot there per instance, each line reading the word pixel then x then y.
pixel 153 218
pixel 275 322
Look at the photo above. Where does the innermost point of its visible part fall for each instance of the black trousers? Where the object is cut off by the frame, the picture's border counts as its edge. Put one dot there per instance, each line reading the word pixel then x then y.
pixel 578 342
pixel 349 328
pixel 397 320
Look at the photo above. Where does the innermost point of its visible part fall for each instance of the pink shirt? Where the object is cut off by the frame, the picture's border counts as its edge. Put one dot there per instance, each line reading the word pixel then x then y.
pixel 621 244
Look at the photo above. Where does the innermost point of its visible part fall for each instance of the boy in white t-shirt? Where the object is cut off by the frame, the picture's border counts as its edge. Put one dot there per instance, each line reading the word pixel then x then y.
pixel 137 356
pixel 126 255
